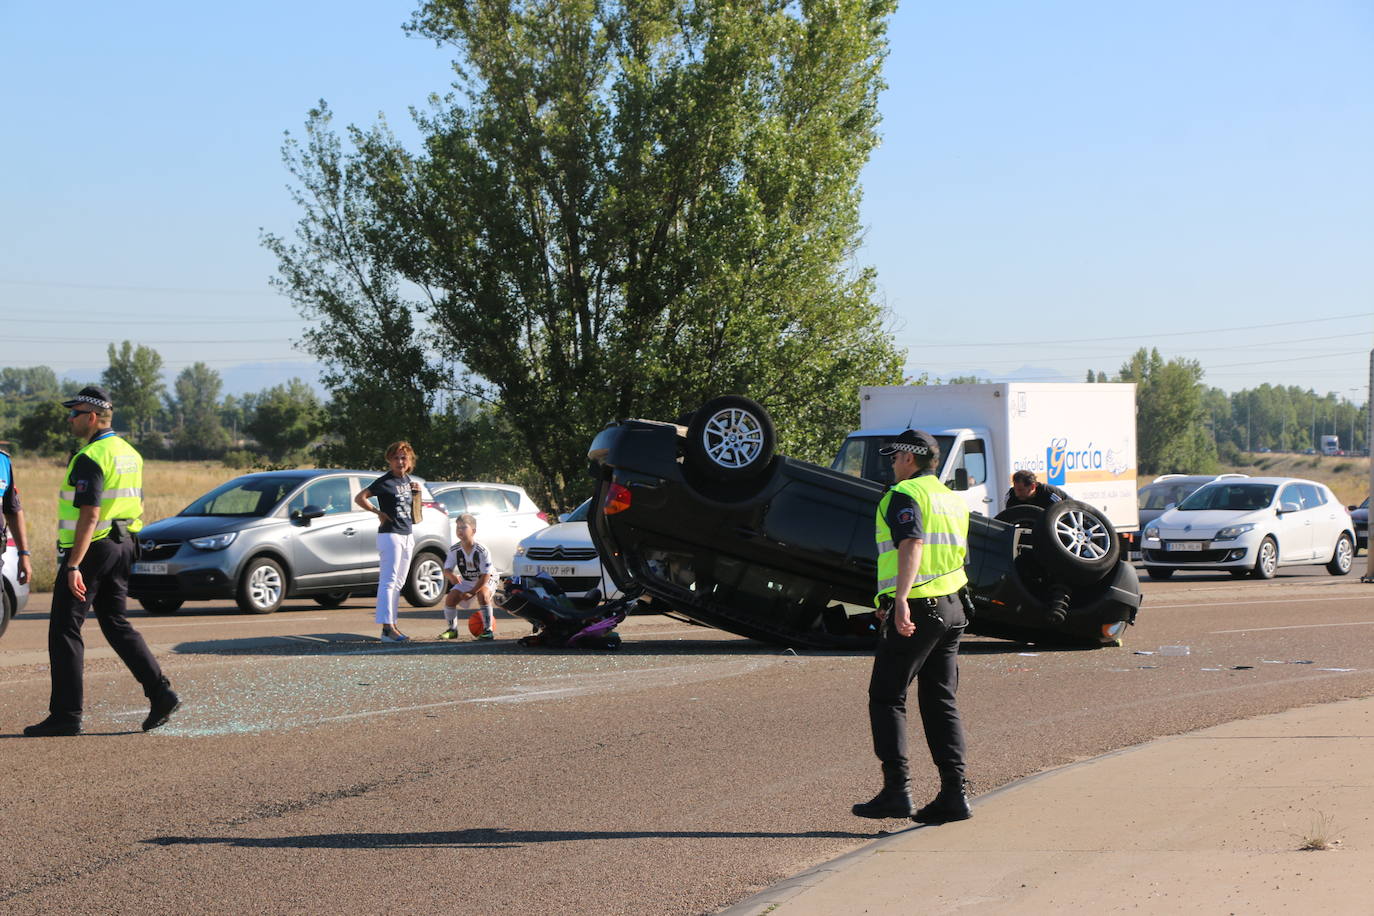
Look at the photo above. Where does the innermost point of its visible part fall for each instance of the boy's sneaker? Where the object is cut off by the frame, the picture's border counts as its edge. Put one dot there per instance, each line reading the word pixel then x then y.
pixel 487 634
pixel 387 637
pixel 449 634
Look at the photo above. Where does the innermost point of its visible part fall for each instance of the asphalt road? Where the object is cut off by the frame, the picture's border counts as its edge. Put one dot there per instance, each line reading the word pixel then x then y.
pixel 315 770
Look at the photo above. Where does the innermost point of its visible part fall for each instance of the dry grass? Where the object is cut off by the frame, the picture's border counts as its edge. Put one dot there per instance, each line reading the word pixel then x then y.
pixel 1347 477
pixel 169 486
pixel 1321 836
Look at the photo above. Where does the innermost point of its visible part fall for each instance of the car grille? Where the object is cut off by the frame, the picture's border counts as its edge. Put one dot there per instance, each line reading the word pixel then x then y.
pixel 577 583
pixel 158 550
pixel 560 553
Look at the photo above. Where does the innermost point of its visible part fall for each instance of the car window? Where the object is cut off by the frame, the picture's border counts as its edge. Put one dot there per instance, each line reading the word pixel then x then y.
pixel 252 497
pixel 1290 494
pixel 452 500
pixel 973 459
pixel 850 460
pixel 1310 495
pixel 512 500
pixel 1237 497
pixel 330 494
pixel 580 513
pixel 483 500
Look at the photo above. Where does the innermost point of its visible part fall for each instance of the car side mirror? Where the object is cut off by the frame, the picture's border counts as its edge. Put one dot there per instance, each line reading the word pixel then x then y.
pixel 563 516
pixel 960 479
pixel 1289 507
pixel 1170 506
pixel 303 516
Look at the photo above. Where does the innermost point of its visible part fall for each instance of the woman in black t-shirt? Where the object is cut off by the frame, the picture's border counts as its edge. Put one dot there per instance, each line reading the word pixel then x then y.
pixel 394 493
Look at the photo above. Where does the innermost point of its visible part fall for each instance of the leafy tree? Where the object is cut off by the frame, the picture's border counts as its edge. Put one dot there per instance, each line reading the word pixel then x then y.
pixel 134 380
pixel 43 429
pixel 28 382
pixel 286 418
pixel 625 210
pixel 1171 421
pixel 194 409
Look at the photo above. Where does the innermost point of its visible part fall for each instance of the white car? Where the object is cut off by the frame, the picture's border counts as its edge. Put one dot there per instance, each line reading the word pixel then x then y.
pixel 505 515
pixel 1251 527
pixel 13 596
pixel 565 551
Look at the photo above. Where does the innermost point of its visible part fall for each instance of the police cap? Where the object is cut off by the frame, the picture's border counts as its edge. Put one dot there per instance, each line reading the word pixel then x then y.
pixel 916 441
pixel 98 398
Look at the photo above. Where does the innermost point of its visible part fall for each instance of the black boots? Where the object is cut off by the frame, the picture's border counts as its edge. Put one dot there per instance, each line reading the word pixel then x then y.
pixel 895 798
pixel 164 703
pixel 951 804
pixel 53 727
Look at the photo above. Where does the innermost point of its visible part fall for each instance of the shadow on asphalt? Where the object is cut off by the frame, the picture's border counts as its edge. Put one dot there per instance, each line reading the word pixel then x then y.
pixel 485 838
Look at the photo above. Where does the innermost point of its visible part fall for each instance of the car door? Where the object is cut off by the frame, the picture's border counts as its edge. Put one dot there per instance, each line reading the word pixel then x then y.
pixel 973 459
pixel 497 527
pixel 369 570
pixel 1328 520
pixel 328 550
pixel 1294 525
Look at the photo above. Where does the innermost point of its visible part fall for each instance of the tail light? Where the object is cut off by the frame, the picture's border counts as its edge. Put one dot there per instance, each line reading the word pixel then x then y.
pixel 617 499
pixel 543 517
pixel 436 506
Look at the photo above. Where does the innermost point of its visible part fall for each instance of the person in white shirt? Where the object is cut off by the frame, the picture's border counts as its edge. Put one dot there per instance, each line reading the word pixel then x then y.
pixel 468 570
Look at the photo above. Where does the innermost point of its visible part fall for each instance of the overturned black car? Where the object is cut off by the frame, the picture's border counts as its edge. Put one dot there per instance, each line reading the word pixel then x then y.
pixel 720 530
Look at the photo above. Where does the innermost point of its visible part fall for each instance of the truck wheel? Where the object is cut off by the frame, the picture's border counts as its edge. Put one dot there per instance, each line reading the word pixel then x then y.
pixel 161 606
pixel 425 584
pixel 730 438
pixel 1076 541
pixel 262 586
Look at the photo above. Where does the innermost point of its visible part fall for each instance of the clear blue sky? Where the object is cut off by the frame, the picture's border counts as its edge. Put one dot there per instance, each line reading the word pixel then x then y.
pixel 1060 183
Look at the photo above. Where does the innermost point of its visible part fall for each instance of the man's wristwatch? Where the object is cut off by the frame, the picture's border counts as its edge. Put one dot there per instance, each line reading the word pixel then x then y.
pixel 26 553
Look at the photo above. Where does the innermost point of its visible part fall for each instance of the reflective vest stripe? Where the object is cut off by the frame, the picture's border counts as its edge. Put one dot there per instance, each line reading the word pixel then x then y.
pixel 69 524
pixel 945 537
pixel 133 492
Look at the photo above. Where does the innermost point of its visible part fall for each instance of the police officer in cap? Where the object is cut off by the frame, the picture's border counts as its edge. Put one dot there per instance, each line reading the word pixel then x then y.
pixel 922 533
pixel 99 513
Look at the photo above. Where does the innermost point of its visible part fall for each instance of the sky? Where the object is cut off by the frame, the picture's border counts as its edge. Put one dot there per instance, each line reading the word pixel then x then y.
pixel 1059 184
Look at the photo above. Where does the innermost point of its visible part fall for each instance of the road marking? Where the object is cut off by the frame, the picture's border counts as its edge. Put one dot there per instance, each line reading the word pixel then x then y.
pixel 1298 626
pixel 1161 607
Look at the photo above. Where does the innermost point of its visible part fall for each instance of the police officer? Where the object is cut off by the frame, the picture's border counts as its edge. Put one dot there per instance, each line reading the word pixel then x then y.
pixel 99 513
pixel 922 533
pixel 1027 491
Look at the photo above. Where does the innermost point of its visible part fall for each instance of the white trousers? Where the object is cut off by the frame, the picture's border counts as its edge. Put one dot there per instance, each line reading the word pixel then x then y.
pixel 394 551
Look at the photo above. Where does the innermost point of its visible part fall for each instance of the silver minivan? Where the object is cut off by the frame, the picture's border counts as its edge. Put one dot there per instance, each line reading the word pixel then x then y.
pixel 262 538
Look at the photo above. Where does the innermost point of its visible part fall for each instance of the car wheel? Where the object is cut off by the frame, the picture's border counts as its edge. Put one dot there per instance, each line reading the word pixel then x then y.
pixel 1266 560
pixel 1159 572
pixel 425 584
pixel 1076 541
pixel 1021 516
pixel 6 609
pixel 160 606
pixel 331 599
pixel 262 586
pixel 730 438
pixel 1342 558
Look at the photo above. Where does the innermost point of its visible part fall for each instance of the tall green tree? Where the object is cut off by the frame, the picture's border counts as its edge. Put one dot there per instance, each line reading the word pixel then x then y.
pixel 285 418
pixel 625 210
pixel 1171 427
pixel 134 380
pixel 195 412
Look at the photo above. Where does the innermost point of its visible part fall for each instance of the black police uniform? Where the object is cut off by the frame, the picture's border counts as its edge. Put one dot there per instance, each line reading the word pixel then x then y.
pixel 1044 496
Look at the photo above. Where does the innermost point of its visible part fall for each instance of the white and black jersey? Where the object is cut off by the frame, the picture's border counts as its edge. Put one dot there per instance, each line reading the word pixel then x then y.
pixel 470 565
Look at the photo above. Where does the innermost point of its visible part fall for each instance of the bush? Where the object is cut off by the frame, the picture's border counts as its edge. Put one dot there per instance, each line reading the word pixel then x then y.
pixel 238 459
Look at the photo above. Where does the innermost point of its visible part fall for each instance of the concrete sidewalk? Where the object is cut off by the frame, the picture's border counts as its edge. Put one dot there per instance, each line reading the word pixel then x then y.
pixel 1213 821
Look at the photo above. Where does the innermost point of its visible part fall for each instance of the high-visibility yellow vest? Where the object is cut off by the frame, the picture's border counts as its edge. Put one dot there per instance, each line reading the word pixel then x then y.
pixel 944 519
pixel 121 498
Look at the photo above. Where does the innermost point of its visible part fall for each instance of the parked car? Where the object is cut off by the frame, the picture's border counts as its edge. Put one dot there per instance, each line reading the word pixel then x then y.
pixel 262 538
pixel 1168 490
pixel 1251 527
pixel 566 554
pixel 715 526
pixel 13 595
pixel 1359 518
pixel 505 515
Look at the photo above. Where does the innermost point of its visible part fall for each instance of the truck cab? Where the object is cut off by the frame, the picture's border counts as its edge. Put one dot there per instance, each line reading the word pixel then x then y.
pixel 967 465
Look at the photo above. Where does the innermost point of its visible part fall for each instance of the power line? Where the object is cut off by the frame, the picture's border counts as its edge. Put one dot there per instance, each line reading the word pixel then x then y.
pixel 104 287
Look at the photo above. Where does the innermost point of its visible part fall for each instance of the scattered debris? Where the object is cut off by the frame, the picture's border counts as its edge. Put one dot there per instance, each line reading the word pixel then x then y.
pixel 1143 652
pixel 1241 667
pixel 1174 650
pixel 1028 654
pixel 1335 669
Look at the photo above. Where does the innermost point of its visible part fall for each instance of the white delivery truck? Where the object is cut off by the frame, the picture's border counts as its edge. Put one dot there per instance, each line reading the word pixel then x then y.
pixel 1331 445
pixel 1078 436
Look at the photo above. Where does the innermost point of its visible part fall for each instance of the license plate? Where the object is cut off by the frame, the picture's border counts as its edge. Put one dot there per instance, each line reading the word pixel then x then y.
pixel 559 570
pixel 150 569
pixel 1183 545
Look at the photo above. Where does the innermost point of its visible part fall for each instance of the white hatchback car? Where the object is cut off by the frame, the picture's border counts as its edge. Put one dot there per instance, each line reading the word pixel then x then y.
pixel 565 551
pixel 13 596
pixel 1251 527
pixel 505 515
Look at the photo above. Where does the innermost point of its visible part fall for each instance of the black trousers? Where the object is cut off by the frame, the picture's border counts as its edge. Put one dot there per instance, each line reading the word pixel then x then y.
pixel 930 656
pixel 105 569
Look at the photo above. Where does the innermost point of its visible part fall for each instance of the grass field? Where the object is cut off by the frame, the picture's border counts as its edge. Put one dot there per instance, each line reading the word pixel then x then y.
pixel 168 487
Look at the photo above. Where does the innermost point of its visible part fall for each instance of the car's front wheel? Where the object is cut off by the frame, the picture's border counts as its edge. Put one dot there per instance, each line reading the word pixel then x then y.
pixel 160 606
pixel 1159 572
pixel 1266 559
pixel 425 584
pixel 262 586
pixel 730 438
pixel 1076 541
pixel 1342 558
pixel 6 609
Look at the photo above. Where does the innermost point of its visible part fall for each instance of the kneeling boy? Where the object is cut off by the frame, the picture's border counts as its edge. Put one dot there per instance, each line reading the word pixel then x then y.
pixel 468 571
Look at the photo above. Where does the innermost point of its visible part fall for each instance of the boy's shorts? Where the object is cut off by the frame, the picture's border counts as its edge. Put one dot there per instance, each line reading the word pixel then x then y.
pixel 469 601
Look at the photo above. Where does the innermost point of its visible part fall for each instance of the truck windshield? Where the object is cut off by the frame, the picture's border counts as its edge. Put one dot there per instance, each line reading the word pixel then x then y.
pixel 858 457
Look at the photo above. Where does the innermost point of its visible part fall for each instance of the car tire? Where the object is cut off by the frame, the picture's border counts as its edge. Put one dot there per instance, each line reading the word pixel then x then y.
pixel 1159 572
pixel 1342 558
pixel 262 586
pixel 1266 560
pixel 6 609
pixel 331 599
pixel 1021 516
pixel 425 583
pixel 1076 541
pixel 161 606
pixel 730 438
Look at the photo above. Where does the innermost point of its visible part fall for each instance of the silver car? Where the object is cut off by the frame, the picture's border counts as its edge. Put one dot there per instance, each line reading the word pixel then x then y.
pixel 505 514
pixel 262 538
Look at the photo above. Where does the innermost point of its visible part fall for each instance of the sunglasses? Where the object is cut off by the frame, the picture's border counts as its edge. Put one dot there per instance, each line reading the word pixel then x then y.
pixel 74 413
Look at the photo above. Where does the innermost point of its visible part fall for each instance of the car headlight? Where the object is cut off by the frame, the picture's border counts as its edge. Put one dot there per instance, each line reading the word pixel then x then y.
pixel 1232 532
pixel 1152 531
pixel 214 541
pixel 519 550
